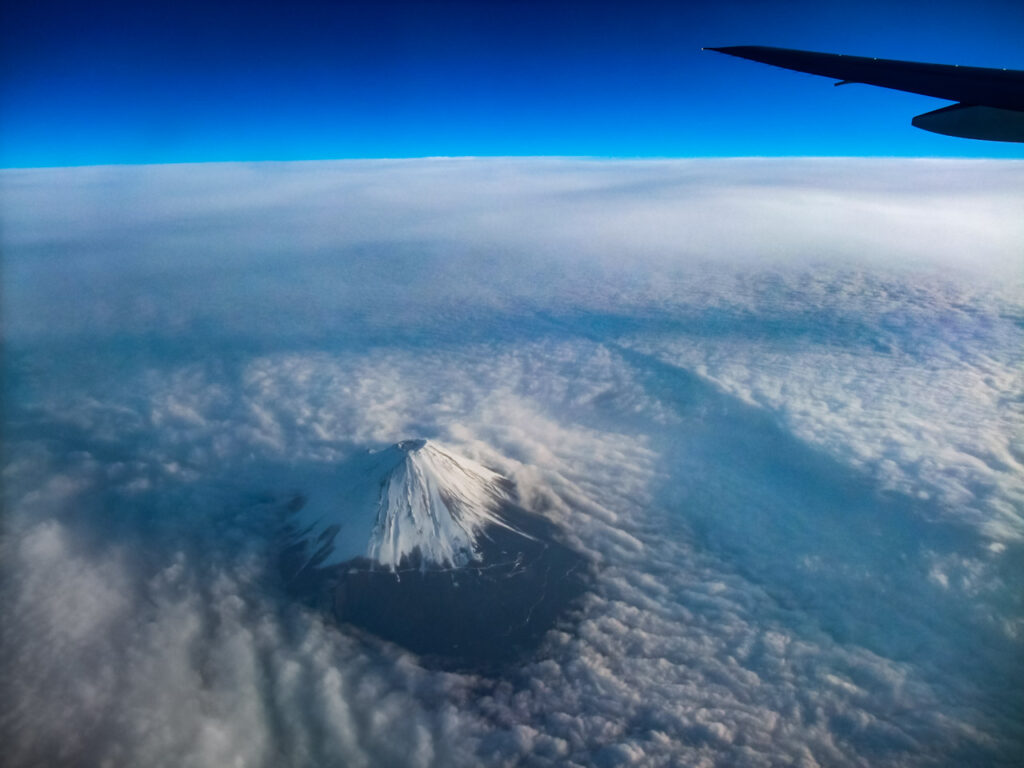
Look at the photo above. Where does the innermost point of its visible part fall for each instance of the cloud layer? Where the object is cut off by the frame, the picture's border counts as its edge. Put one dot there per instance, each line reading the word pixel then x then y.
pixel 778 402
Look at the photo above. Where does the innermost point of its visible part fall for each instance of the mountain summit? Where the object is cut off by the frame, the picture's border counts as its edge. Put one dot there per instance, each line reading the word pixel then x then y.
pixel 415 502
pixel 430 550
pixel 433 506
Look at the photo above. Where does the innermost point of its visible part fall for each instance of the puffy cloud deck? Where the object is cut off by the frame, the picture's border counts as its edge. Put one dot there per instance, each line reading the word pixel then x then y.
pixel 760 420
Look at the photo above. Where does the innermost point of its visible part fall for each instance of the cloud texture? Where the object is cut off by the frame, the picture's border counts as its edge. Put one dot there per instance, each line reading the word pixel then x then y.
pixel 778 402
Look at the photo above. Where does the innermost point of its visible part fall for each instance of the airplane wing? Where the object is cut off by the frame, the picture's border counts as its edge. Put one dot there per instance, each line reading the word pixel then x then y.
pixel 990 102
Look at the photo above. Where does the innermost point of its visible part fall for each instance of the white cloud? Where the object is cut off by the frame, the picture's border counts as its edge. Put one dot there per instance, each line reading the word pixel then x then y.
pixel 777 402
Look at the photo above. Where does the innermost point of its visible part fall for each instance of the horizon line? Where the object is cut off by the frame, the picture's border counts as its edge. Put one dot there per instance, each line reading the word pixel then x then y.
pixel 592 158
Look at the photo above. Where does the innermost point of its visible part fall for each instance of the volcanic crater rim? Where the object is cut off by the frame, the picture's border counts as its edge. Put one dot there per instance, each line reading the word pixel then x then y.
pixel 411 445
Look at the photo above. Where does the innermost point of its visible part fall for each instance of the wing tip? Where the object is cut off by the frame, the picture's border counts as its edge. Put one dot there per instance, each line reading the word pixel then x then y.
pixel 749 52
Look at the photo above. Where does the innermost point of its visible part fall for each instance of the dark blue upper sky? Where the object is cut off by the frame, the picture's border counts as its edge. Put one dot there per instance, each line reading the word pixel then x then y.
pixel 118 82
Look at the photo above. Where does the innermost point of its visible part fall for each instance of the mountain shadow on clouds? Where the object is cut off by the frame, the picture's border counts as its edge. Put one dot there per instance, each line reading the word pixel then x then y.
pixel 863 563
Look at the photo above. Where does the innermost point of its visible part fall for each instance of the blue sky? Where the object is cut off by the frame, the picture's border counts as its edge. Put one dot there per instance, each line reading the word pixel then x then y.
pixel 111 82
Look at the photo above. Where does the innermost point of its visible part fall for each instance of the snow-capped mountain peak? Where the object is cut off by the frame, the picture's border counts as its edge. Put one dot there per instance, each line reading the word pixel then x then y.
pixel 413 501
pixel 434 503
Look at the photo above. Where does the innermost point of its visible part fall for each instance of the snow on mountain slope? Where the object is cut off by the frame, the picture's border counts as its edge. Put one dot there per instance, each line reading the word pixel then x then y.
pixel 414 499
